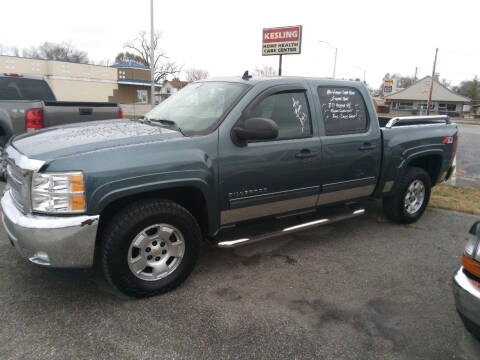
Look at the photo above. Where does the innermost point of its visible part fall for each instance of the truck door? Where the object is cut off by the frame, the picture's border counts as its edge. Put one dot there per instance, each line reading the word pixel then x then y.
pixel 275 176
pixel 351 144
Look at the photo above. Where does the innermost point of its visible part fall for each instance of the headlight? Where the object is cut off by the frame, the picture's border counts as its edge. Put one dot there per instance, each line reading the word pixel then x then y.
pixel 58 192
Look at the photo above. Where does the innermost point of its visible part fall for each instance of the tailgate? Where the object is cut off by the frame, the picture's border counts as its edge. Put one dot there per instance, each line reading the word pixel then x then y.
pixel 63 112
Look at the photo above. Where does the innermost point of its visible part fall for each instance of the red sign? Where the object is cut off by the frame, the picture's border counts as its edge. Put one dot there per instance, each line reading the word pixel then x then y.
pixel 282 40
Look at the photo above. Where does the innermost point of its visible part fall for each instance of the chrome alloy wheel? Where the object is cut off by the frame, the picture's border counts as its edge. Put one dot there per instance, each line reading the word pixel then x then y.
pixel 415 196
pixel 156 252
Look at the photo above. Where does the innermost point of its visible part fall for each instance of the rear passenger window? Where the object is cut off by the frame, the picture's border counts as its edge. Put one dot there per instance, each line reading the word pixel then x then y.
pixel 343 110
pixel 289 110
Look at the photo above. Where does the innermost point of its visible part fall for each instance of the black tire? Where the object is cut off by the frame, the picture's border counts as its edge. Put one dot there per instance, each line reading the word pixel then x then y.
pixel 118 234
pixel 394 206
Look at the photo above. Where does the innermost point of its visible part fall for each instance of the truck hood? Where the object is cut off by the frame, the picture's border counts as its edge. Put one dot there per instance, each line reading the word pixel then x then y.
pixel 62 141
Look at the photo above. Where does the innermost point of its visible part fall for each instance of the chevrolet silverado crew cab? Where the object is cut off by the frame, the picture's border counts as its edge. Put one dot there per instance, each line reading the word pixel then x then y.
pixel 231 161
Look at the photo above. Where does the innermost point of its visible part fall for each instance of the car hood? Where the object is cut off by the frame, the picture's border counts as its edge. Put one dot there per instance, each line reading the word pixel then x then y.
pixel 62 141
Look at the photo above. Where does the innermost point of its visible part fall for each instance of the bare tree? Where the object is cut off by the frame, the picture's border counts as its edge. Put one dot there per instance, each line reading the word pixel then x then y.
pixel 64 51
pixel 446 83
pixel 402 81
pixel 140 50
pixel 127 56
pixel 194 74
pixel 265 70
pixel 405 81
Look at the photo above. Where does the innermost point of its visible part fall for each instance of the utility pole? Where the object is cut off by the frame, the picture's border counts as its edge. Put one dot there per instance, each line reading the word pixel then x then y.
pixel 152 56
pixel 431 83
pixel 280 66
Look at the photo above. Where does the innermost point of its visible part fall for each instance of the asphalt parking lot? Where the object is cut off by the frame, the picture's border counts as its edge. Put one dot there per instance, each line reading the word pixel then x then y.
pixel 361 289
pixel 468 163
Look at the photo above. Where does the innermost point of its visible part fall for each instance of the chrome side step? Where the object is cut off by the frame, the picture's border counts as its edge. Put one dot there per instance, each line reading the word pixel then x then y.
pixel 351 212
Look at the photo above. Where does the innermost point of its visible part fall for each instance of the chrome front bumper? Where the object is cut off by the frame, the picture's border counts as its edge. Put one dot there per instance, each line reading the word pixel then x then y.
pixel 467 296
pixel 62 242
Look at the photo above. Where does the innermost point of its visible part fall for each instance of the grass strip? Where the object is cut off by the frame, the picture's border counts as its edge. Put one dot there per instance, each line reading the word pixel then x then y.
pixel 457 198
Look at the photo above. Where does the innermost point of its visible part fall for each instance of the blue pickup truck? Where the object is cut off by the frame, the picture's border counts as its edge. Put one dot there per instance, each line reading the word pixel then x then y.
pixel 230 161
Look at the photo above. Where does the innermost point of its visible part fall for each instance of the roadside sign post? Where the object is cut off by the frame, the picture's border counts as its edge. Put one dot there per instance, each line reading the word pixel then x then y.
pixel 286 40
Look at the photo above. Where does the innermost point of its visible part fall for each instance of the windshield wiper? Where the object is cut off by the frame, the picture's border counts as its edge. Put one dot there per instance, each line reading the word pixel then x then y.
pixel 165 122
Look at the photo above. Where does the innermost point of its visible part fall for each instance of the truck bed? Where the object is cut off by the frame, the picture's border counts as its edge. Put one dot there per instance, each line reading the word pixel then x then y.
pixel 407 139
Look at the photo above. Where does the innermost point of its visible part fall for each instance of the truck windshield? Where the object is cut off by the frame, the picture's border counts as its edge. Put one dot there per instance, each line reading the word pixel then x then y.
pixel 199 106
pixel 18 88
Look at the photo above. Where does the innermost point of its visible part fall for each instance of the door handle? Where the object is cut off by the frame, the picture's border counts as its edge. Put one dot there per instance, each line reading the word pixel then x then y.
pixel 367 146
pixel 305 154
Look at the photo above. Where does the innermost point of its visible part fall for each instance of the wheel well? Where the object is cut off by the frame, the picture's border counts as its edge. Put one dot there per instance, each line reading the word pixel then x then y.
pixel 432 164
pixel 189 197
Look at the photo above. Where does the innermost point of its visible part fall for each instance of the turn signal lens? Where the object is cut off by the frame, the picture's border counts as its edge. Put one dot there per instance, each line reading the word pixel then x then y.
pixel 77 183
pixel 472 266
pixel 78 203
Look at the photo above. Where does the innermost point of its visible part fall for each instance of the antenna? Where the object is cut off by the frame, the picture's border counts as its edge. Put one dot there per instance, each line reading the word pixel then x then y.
pixel 246 76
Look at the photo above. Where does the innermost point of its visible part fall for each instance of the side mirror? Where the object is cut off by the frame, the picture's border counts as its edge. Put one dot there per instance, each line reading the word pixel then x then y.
pixel 254 129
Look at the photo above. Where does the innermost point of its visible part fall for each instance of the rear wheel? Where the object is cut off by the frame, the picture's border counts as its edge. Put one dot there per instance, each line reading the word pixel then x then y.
pixel 150 247
pixel 411 199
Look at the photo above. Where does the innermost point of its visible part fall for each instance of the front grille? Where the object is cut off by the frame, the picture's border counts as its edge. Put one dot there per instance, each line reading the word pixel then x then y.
pixel 19 182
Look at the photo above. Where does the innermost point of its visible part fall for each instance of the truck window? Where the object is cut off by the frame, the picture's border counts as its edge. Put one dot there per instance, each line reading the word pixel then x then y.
pixel 17 88
pixel 343 110
pixel 289 110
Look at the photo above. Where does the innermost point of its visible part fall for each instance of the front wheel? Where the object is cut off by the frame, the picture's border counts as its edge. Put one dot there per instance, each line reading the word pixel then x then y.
pixel 150 247
pixel 411 199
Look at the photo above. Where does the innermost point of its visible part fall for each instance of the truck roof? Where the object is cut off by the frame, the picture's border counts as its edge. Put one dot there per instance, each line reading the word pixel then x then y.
pixel 280 79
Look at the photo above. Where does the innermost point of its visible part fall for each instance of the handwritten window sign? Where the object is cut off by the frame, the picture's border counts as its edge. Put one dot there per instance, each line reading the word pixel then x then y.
pixel 282 41
pixel 343 110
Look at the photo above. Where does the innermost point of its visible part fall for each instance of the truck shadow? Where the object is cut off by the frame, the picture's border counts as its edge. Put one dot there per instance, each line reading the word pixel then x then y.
pixel 280 251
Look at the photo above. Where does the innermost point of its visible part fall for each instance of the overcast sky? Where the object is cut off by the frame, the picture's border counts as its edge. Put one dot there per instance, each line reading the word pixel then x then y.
pixel 224 37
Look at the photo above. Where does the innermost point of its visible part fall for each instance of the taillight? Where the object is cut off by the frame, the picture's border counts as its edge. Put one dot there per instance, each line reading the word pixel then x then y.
pixel 120 113
pixel 455 145
pixel 34 119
